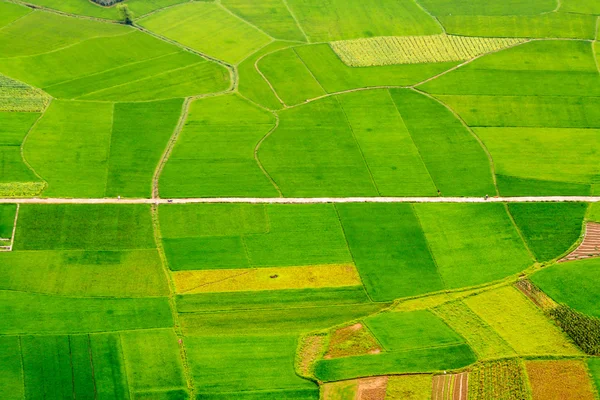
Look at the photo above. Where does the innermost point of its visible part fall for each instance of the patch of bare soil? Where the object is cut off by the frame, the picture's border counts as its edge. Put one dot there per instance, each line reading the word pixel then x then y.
pixel 352 340
pixel 310 349
pixel 372 388
pixel 590 247
pixel 450 387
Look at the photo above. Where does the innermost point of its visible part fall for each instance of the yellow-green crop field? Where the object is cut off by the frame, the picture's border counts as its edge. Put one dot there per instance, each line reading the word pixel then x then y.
pixel 299 199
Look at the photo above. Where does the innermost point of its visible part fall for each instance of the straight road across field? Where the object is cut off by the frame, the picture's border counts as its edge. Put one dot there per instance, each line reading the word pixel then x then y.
pixel 308 200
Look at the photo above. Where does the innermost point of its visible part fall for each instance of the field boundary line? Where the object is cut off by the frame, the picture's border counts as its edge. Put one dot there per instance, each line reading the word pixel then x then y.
pixel 22 16
pixel 362 154
pixel 22 359
pixel 112 131
pixel 185 108
pixel 435 262
pixel 435 18
pixel 112 69
pixel 227 65
pixel 525 40
pixel 594 43
pixel 285 3
pixel 24 141
pixel 308 69
pixel 67 14
pixel 66 47
pixel 91 357
pixel 412 140
pixel 257 158
pixel 301 200
pixel 157 10
pixel 217 281
pixel 14 230
pixel 512 220
pixel 492 165
pixel 228 11
pixel 139 80
pixel 172 304
pixel 266 79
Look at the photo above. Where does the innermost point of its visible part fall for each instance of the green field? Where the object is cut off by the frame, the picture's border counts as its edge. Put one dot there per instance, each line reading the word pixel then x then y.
pixel 298 199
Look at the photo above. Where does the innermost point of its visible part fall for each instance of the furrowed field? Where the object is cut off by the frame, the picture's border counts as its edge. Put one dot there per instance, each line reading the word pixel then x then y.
pixel 108 112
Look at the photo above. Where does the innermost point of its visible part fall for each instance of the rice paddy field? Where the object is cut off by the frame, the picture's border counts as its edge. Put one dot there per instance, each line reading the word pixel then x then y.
pixel 299 199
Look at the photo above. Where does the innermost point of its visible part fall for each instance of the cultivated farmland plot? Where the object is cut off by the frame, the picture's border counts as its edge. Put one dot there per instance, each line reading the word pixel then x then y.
pixel 109 113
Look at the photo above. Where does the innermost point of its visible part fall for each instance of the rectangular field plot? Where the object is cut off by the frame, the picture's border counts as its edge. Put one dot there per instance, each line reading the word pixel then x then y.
pixel 550 25
pixel 214 155
pixel 518 321
pixel 13 128
pixel 472 244
pixel 342 19
pixel 208 28
pixel 238 236
pixel 487 7
pixel 503 379
pixel 254 363
pixel 271 299
pixel 11 379
pixel 131 273
pixel 559 380
pixel 537 68
pixel 545 154
pixel 7 220
pixel 456 162
pixel 526 111
pixel 84 227
pixel 96 366
pixel 26 313
pixel 389 249
pixel 235 280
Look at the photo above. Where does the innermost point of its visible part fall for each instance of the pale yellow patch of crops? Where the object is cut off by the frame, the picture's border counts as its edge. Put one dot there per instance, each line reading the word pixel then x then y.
pixel 17 96
pixel 275 278
pixel 21 189
pixel 417 49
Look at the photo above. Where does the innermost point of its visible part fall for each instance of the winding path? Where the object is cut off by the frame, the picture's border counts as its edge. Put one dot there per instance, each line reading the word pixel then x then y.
pixel 306 200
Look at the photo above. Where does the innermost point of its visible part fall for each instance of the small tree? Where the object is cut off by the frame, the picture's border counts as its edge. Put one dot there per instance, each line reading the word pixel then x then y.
pixel 126 14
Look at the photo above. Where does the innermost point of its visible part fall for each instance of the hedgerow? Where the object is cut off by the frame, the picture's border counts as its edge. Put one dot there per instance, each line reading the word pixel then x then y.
pixel 583 329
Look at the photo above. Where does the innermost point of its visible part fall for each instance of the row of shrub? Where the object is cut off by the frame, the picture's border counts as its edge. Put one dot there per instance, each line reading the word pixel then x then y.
pixel 583 329
pixel 107 3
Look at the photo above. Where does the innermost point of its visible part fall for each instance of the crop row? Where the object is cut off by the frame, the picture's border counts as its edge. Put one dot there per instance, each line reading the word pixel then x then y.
pixel 583 329
pixel 500 380
pixel 416 49
pixel 17 96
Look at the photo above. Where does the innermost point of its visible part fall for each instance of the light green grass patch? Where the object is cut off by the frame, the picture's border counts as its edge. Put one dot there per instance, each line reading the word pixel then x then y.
pixel 40 32
pixel 26 313
pixel 209 28
pixel 398 331
pixel 455 160
pixel 296 236
pixel 472 243
pixel 549 229
pixel 350 19
pixel 594 212
pixel 335 76
pixel 272 16
pixel 580 6
pixel 314 153
pixel 153 360
pixel 526 111
pixel 10 12
pixel 84 227
pixel 484 341
pixel 253 363
pixel 572 283
pixel 551 154
pixel 594 367
pixel 214 155
pixel 290 77
pixel 518 321
pixel 389 249
pixel 537 68
pixel 386 144
pixel 487 7
pixel 550 25
pixel 131 273
pixel 140 133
